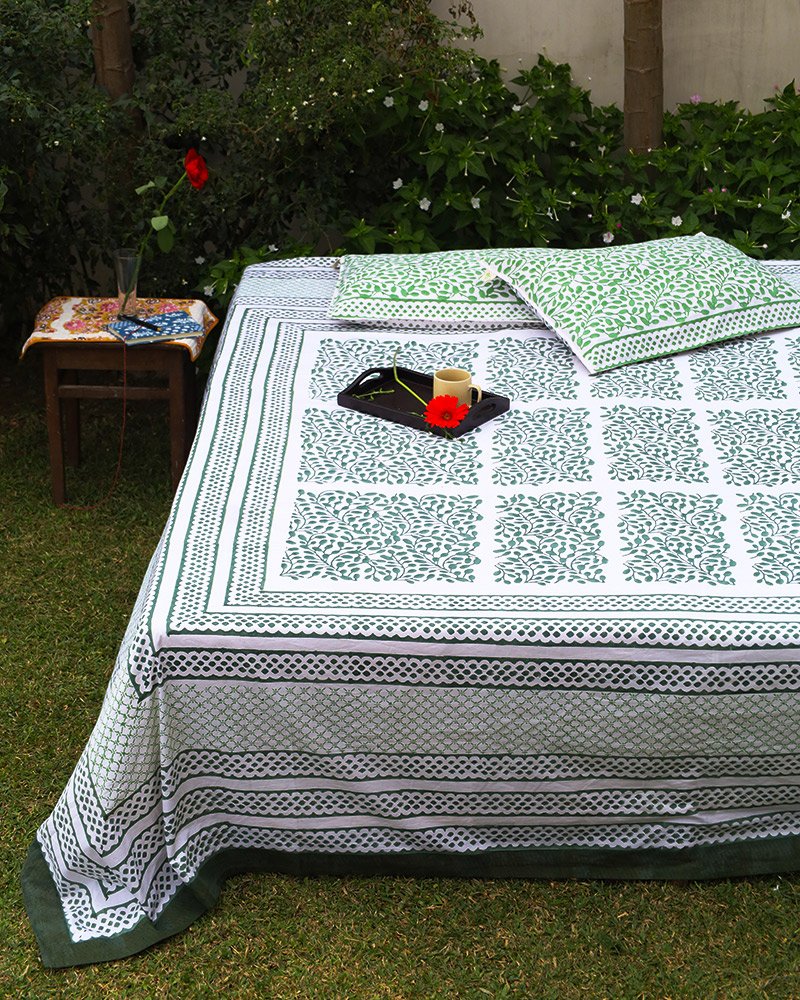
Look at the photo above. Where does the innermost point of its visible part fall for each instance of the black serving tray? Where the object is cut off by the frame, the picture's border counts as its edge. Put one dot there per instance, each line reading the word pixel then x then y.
pixel 376 392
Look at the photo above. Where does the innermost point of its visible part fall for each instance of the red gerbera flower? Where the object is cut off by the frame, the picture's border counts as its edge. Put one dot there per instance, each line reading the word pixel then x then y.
pixel 445 411
pixel 196 169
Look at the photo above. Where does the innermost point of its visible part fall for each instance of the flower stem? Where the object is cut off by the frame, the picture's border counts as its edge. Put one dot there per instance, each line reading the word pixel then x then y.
pixel 149 233
pixel 373 393
pixel 399 382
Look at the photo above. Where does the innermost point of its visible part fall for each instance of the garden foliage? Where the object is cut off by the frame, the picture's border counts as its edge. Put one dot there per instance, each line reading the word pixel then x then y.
pixel 343 124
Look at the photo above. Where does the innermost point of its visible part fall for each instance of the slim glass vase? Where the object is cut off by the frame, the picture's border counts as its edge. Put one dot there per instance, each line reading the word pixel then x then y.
pixel 127 263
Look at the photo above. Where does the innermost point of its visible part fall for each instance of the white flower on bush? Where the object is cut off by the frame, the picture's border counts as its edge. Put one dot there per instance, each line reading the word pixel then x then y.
pixel 786 215
pixel 425 204
pixel 676 220
pixel 397 184
pixel 423 105
pixel 475 202
pixel 636 199
pixel 273 248
pixel 389 101
pixel 208 291
pixel 199 260
pixel 608 237
pixel 516 107
pixel 439 127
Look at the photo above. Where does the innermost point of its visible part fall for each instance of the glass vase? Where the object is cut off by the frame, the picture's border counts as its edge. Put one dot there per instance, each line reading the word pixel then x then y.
pixel 127 263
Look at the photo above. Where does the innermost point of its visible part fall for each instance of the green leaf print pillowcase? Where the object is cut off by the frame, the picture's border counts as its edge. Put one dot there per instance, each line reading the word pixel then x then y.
pixel 617 305
pixel 441 287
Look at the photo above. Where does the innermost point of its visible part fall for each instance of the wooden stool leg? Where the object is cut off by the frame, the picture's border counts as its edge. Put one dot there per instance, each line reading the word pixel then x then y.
pixel 72 425
pixel 56 445
pixel 190 404
pixel 178 429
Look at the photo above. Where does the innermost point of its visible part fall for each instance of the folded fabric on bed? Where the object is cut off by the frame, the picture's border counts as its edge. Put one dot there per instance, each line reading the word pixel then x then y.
pixel 618 305
pixel 564 644
pixel 441 287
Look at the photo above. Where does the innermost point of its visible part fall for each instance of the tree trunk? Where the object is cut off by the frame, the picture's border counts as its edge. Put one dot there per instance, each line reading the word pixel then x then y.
pixel 111 47
pixel 644 75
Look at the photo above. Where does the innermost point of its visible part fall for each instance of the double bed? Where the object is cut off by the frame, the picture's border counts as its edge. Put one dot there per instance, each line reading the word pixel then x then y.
pixel 565 644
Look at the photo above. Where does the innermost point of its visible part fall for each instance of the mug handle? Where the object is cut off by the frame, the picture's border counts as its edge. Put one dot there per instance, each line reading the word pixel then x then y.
pixel 480 392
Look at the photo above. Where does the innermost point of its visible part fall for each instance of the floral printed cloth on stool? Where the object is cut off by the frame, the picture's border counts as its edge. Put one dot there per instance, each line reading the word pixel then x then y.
pixel 75 318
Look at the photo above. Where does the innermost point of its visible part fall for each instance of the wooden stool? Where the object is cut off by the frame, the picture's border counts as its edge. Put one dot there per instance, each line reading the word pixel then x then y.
pixel 70 334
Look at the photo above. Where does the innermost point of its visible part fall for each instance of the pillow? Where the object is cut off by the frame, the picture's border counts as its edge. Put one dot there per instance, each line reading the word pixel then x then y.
pixel 424 288
pixel 617 305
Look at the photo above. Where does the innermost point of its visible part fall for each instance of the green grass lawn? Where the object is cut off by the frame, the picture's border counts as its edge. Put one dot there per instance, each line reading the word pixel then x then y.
pixel 68 580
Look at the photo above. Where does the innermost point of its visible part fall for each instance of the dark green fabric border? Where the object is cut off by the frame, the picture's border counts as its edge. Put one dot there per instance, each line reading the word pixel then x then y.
pixel 752 857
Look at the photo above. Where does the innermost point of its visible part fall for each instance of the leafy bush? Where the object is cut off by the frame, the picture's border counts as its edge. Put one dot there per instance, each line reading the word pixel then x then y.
pixel 462 160
pixel 50 122
pixel 334 125
pixel 230 77
pixel 481 165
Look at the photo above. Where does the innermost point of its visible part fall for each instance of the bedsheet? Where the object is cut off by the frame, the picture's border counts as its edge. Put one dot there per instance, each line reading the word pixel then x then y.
pixel 564 644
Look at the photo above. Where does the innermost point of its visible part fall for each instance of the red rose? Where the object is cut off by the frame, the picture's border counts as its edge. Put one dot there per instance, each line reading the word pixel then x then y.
pixel 445 411
pixel 196 169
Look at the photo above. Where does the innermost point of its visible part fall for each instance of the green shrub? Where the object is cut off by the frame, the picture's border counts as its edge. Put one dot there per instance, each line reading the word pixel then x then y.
pixel 230 77
pixel 462 160
pixel 483 165
pixel 333 125
pixel 51 121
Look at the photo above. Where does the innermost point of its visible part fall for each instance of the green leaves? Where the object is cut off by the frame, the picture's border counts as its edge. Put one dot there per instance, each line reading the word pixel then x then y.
pixel 336 101
pixel 158 182
pixel 363 236
pixel 547 167
pixel 166 238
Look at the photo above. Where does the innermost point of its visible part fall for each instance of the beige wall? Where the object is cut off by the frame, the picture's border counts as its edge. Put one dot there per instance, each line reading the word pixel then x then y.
pixel 721 49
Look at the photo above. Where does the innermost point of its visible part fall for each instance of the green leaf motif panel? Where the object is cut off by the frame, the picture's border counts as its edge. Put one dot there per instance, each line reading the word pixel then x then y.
pixel 674 538
pixel 771 525
pixel 653 443
pixel 336 535
pixel 347 447
pixel 338 362
pixel 758 447
pixel 531 370
pixel 656 379
pixel 739 370
pixel 542 446
pixel 549 539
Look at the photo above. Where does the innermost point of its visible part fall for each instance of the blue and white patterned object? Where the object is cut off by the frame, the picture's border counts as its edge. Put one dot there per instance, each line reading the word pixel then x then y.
pixel 171 326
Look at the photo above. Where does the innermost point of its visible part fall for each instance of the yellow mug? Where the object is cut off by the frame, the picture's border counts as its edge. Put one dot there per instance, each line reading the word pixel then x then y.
pixel 455 382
